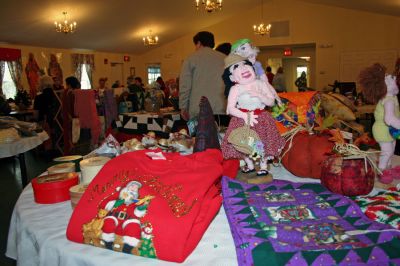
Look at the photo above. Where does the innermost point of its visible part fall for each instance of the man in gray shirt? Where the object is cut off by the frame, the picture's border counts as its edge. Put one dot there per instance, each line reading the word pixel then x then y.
pixel 201 76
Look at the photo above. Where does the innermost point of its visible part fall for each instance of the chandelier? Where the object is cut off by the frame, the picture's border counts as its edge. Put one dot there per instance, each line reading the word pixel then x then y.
pixel 150 39
pixel 65 26
pixel 262 29
pixel 209 5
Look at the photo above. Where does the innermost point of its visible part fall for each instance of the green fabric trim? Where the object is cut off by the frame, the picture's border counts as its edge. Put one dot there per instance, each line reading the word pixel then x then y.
pixel 362 226
pixel 352 220
pixel 118 203
pixel 342 209
pixel 310 256
pixel 244 211
pixel 263 253
pixel 373 236
pixel 333 202
pixel 288 187
pixel 249 219
pixel 238 43
pixel 261 234
pixel 391 248
pixel 339 255
pixel 325 196
pixel 364 253
pixel 239 195
pixel 314 187
pixel 242 202
pixel 284 257
pixel 233 185
pixel 255 188
pixel 270 188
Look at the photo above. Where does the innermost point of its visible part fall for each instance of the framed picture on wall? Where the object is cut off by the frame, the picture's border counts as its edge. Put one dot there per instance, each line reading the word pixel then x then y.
pixel 132 71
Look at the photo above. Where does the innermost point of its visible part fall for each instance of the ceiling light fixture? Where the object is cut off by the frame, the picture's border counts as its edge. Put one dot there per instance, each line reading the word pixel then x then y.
pixel 65 26
pixel 209 5
pixel 150 39
pixel 262 29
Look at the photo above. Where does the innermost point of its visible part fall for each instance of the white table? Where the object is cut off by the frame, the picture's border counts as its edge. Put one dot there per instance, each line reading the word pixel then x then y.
pixel 37 236
pixel 19 147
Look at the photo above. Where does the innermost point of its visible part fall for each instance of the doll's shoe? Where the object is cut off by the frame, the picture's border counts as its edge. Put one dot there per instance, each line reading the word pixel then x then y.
pixel 386 177
pixel 247 170
pixel 262 172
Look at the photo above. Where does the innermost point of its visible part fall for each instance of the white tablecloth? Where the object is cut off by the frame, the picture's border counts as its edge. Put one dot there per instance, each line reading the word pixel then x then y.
pixel 37 236
pixel 23 145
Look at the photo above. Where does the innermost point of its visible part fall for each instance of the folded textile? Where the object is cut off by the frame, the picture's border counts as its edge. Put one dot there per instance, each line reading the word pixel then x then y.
pixel 383 207
pixel 152 208
pixel 285 223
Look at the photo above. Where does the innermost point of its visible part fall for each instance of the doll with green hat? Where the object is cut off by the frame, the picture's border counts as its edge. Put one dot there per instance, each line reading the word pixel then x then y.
pixel 244 48
pixel 247 99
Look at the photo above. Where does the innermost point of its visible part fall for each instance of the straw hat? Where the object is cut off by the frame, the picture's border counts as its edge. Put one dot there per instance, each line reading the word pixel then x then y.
pixel 233 59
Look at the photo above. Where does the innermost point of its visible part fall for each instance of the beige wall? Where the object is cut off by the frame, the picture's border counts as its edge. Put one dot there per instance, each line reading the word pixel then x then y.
pixel 345 30
pixel 42 55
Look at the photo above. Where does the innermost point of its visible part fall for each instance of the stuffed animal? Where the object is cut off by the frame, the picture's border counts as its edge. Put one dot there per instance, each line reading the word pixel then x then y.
pixel 381 89
pixel 248 96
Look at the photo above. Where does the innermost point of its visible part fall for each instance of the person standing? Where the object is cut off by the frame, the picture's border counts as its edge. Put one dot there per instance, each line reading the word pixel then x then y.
pixel 279 81
pixel 201 76
pixel 269 74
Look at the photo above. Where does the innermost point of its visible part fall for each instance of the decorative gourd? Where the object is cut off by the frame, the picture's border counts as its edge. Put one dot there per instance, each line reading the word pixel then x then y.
pixel 349 177
pixel 305 157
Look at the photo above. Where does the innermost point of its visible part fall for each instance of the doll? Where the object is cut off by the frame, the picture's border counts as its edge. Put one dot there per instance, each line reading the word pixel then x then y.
pixel 381 89
pixel 244 48
pixel 247 99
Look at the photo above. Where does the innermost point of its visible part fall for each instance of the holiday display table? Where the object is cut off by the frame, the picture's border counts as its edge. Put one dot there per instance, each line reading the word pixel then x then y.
pixel 37 236
pixel 19 147
pixel 161 123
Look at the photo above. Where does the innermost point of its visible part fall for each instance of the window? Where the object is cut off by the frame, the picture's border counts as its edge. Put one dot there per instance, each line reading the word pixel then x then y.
pixel 85 81
pixel 153 72
pixel 9 88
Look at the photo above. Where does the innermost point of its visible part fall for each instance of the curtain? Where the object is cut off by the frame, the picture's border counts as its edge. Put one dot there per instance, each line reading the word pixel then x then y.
pixel 15 71
pixel 78 60
pixel 2 69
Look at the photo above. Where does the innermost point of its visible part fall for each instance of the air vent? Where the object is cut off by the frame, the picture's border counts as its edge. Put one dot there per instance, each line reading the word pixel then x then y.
pixel 279 29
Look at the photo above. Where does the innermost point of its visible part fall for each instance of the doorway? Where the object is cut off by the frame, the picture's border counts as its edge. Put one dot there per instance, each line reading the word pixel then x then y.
pixel 302 58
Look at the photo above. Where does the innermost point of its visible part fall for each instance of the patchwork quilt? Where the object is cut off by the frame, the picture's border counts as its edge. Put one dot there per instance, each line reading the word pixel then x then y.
pixel 285 223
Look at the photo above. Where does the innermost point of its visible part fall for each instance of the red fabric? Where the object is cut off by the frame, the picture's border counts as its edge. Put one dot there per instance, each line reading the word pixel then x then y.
pixel 9 54
pixel 186 199
pixel 256 111
pixel 347 176
pixel 85 109
pixel 230 168
pixel 305 157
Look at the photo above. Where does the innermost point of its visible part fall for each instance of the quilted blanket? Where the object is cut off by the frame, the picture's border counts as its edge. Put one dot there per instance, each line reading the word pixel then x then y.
pixel 285 223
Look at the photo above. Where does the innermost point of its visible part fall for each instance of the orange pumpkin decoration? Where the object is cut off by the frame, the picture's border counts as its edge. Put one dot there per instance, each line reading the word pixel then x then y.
pixel 308 152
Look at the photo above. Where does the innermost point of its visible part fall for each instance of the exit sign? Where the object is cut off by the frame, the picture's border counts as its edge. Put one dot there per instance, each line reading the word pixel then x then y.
pixel 287 52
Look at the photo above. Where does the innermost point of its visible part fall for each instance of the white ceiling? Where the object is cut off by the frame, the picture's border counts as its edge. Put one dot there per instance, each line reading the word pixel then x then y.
pixel 119 25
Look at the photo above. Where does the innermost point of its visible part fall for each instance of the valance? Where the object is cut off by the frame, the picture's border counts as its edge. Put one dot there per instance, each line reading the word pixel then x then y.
pixel 9 54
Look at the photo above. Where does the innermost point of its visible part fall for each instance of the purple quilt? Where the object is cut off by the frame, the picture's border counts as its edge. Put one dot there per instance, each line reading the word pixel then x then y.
pixel 285 223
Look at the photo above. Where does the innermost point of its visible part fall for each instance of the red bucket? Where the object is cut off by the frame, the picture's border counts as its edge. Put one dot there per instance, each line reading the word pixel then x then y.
pixel 53 188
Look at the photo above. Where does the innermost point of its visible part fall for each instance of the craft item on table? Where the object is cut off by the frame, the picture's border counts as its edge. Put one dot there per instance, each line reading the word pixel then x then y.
pixel 304 153
pixel 297 108
pixel 345 100
pixel 61 168
pixel 132 145
pixel 91 166
pixel 332 106
pixel 207 131
pixel 299 224
pixel 247 100
pixel 9 135
pixel 149 140
pixel 381 89
pixel 181 142
pixel 76 193
pixel 245 48
pixel 71 158
pixel 110 147
pixel 156 155
pixel 150 204
pixel 383 207
pixel 53 188
pixel 347 176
